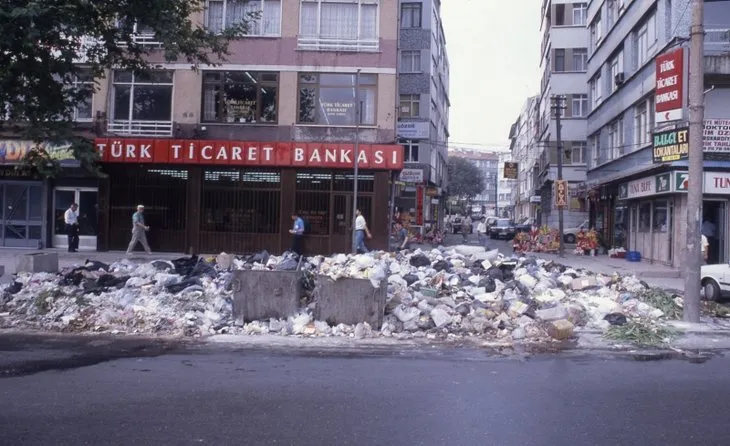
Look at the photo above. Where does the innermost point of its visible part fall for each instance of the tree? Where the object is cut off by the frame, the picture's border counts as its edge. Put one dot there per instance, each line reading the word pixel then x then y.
pixel 47 44
pixel 466 181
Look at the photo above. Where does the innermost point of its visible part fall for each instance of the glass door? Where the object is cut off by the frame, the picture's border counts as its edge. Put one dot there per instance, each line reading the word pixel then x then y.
pixel 22 214
pixel 88 202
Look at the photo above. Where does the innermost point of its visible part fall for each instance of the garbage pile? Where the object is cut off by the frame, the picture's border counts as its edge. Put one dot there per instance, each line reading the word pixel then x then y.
pixel 439 294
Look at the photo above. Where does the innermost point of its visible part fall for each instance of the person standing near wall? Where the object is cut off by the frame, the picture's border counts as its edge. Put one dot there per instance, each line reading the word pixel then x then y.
pixel 361 231
pixel 297 232
pixel 71 218
pixel 139 232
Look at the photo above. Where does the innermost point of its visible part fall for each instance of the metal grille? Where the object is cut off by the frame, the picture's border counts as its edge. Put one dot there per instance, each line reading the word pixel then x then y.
pixel 163 192
pixel 346 182
pixel 315 181
pixel 234 201
pixel 315 208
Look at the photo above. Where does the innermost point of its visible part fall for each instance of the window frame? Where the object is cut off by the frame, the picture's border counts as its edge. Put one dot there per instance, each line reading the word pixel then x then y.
pixel 260 21
pixel 134 83
pixel 320 42
pixel 410 147
pixel 616 65
pixel 559 55
pixel 76 85
pixel 412 8
pixel 616 138
pixel 580 55
pixel 413 57
pixel 581 100
pixel 257 81
pixel 412 100
pixel 317 85
pixel 581 147
pixel 582 10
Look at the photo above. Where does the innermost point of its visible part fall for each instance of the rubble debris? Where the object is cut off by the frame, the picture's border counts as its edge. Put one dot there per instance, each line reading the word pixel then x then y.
pixel 443 293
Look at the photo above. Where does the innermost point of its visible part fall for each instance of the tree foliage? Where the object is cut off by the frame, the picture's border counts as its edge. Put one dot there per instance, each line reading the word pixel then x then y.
pixel 46 44
pixel 465 180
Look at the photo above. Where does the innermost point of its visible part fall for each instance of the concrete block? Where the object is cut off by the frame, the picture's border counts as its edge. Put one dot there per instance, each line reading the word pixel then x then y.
pixel 552 314
pixel 37 262
pixel 260 295
pixel 561 330
pixel 583 283
pixel 349 301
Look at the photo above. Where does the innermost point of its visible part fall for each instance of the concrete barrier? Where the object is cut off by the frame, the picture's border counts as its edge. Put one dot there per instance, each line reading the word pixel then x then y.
pixel 260 295
pixel 37 262
pixel 349 301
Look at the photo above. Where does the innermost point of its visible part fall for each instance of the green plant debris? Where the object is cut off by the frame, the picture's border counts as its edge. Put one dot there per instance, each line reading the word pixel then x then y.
pixel 662 300
pixel 716 309
pixel 44 300
pixel 642 333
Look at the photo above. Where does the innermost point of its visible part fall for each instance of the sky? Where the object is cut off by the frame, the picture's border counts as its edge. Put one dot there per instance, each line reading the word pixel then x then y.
pixel 494 54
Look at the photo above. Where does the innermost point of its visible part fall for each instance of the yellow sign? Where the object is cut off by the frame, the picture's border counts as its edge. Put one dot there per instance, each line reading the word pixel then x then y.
pixel 561 193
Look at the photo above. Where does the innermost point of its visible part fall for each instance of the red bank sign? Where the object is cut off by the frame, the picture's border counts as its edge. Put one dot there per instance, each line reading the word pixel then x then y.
pixel 238 153
pixel 669 98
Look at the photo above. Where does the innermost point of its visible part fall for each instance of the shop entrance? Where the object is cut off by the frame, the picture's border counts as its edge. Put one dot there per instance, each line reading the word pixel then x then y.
pixel 88 201
pixel 713 227
pixel 22 215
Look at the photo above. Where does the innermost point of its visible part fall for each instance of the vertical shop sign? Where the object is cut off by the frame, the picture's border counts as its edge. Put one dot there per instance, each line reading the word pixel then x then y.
pixel 561 195
pixel 419 205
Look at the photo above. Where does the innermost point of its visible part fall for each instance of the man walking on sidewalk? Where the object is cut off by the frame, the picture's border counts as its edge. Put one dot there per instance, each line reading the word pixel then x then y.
pixel 71 218
pixel 361 231
pixel 139 231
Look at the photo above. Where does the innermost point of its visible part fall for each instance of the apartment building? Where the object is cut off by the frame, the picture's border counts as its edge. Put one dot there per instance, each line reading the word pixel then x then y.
pixel 524 149
pixel 423 110
pixel 638 200
pixel 223 156
pixel 488 164
pixel 563 63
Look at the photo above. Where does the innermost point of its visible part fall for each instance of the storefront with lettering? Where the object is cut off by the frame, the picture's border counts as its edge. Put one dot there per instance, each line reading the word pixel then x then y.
pixel 210 196
pixel 32 208
pixel 657 215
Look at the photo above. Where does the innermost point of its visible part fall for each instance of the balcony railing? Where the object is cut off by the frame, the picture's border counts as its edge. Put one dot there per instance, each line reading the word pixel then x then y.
pixel 337 44
pixel 717 41
pixel 140 128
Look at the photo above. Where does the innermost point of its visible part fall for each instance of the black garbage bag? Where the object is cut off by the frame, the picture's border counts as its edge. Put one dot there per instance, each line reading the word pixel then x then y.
pixel 185 265
pixel 177 287
pixel 73 278
pixel 615 319
pixel 14 288
pixel 95 265
pixel 410 279
pixel 420 260
pixel 442 265
pixel 495 273
pixel 203 268
pixel 261 257
pixel 488 284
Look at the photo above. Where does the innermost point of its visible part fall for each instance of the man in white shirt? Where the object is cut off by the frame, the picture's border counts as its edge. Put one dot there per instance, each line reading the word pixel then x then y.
pixel 482 231
pixel 71 218
pixel 361 231
pixel 705 248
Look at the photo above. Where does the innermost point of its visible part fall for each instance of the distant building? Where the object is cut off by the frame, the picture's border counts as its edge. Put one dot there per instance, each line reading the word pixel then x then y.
pixel 524 149
pixel 488 163
pixel 423 108
pixel 505 204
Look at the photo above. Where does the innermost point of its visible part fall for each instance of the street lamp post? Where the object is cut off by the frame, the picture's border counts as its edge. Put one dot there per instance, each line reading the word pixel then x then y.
pixel 355 163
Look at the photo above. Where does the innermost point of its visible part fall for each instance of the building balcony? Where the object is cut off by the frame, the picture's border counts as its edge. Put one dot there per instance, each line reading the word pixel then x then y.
pixel 148 129
pixel 717 42
pixel 309 43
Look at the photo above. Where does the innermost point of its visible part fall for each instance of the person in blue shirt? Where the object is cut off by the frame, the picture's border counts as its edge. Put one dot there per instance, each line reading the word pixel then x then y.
pixel 297 232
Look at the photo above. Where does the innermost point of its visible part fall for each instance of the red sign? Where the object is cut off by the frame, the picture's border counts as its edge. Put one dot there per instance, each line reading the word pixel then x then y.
pixel 419 205
pixel 670 81
pixel 239 153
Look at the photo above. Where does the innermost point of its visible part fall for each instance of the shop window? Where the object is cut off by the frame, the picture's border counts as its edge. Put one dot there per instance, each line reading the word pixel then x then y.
pixel 263 17
pixel 241 201
pixel 644 217
pixel 661 216
pixel 240 97
pixel 329 99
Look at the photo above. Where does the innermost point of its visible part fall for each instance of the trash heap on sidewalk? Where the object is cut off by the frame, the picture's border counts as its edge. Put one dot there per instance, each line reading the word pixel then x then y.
pixel 446 293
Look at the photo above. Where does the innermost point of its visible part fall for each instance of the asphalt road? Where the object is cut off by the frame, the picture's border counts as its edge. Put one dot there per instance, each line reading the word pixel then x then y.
pixel 455 397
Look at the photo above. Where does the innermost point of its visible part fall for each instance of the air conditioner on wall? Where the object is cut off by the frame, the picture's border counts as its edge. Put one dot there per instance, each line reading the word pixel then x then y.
pixel 619 78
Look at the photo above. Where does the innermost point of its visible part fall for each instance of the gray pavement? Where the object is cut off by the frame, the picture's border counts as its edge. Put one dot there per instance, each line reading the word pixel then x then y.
pixel 457 397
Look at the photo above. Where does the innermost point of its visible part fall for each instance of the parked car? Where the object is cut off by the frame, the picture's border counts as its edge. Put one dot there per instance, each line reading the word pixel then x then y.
pixel 502 228
pixel 490 222
pixel 525 225
pixel 570 235
pixel 715 280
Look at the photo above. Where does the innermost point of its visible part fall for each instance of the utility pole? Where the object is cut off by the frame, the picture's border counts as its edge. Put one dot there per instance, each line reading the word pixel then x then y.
pixel 357 155
pixel 558 107
pixel 693 252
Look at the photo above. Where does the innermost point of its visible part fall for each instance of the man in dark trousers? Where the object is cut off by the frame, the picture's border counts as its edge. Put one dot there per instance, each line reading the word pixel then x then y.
pixel 71 218
pixel 297 232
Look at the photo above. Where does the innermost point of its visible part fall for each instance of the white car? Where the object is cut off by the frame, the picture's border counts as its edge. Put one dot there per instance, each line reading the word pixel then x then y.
pixel 715 281
pixel 570 235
